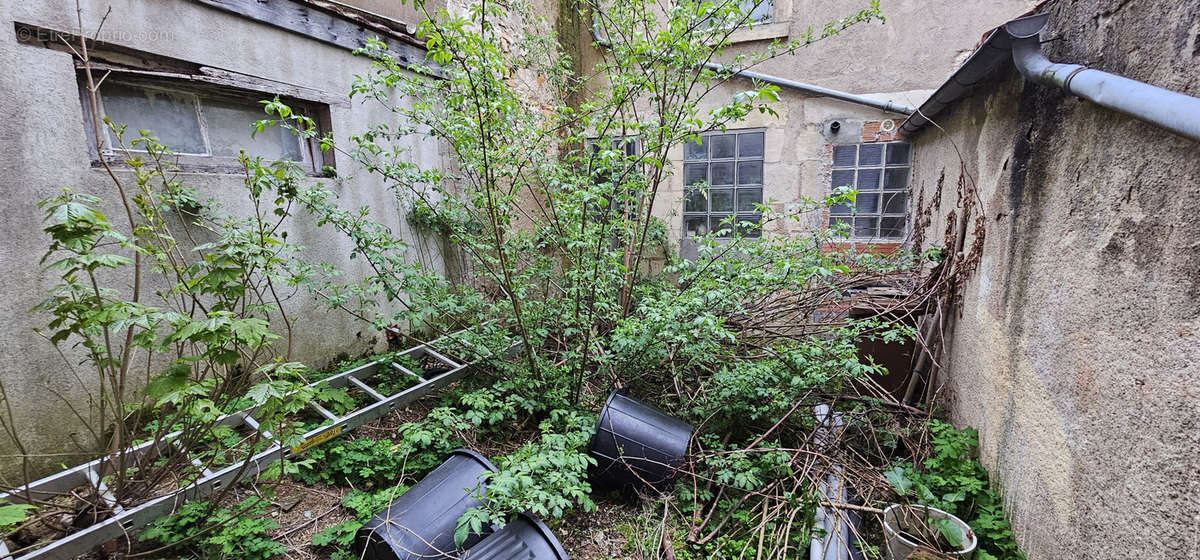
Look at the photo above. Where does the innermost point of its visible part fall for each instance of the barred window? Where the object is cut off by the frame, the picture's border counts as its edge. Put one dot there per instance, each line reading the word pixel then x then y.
pixel 879 172
pixel 723 179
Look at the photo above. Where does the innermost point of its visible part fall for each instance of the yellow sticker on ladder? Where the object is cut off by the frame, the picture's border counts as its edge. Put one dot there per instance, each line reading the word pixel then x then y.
pixel 317 439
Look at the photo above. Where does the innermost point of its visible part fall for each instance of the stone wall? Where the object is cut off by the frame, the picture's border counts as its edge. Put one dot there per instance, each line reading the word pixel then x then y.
pixel 1076 346
pixel 46 147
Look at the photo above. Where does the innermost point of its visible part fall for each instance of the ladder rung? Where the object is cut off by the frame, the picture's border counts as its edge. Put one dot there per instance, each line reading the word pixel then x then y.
pixel 254 425
pixel 403 369
pixel 195 462
pixel 105 494
pixel 366 388
pixel 453 364
pixel 323 412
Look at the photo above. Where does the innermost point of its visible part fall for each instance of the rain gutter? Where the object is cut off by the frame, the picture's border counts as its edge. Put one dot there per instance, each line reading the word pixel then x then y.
pixel 1018 41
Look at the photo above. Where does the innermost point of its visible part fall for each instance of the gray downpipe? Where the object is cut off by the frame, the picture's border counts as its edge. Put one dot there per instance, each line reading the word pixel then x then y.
pixel 602 40
pixel 888 106
pixel 1168 109
pixel 835 543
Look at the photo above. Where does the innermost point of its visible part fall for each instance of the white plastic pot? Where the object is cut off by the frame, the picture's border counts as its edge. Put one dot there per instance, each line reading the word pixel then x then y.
pixel 899 547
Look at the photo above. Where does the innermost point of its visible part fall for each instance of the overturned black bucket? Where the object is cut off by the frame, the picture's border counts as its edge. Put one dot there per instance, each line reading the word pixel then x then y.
pixel 636 444
pixel 420 523
pixel 526 538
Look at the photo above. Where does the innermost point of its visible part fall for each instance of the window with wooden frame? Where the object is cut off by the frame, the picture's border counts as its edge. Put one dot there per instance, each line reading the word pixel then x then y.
pixel 879 172
pixel 205 125
pixel 723 183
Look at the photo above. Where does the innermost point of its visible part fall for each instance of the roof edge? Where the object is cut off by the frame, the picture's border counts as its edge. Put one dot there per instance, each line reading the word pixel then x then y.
pixel 992 54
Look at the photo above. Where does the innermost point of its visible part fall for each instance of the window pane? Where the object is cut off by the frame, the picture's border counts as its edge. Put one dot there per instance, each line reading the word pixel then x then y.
pixel 693 151
pixel 748 225
pixel 715 225
pixel 758 11
pixel 747 199
pixel 840 209
pixel 867 203
pixel 750 173
pixel 894 203
pixel 843 178
pixel 695 201
pixel 630 145
pixel 721 200
pixel 722 173
pixel 899 153
pixel 169 116
pixel 722 146
pixel 865 227
pixel 895 178
pixel 750 145
pixel 694 173
pixel 891 227
pixel 845 156
pixel 834 222
pixel 695 226
pixel 229 130
pixel 870 154
pixel 868 179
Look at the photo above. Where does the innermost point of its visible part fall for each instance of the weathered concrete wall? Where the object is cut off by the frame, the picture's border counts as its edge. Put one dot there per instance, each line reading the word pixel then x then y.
pixel 1077 347
pixel 45 145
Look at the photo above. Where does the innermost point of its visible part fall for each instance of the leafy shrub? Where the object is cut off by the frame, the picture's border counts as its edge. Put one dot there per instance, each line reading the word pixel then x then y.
pixel 547 477
pixel 364 505
pixel 955 481
pixel 217 533
pixel 360 462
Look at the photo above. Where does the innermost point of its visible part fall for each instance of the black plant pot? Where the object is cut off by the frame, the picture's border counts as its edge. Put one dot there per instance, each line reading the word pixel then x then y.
pixel 420 523
pixel 636 444
pixel 526 538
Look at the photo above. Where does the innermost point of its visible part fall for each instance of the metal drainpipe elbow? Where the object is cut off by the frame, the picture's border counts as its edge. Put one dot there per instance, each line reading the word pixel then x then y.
pixel 1028 57
pixel 1171 110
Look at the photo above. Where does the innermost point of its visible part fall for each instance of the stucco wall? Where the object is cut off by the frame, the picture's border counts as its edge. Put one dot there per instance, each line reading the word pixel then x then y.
pixel 1076 349
pixel 45 147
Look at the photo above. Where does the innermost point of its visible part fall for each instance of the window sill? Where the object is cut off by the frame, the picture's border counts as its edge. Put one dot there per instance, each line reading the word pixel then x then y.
pixel 867 246
pixel 192 167
pixel 761 32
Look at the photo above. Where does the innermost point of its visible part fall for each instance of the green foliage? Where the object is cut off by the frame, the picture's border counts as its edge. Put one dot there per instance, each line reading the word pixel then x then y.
pixel 953 480
pixel 364 505
pixel 360 462
pixel 212 323
pixel 12 515
pixel 547 477
pixel 216 533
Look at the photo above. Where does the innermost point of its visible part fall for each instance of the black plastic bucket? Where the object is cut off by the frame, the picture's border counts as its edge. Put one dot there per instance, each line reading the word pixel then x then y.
pixel 636 444
pixel 420 523
pixel 526 538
